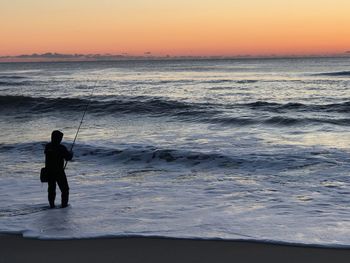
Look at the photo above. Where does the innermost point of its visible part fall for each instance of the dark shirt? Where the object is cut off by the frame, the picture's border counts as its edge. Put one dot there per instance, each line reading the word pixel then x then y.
pixel 55 154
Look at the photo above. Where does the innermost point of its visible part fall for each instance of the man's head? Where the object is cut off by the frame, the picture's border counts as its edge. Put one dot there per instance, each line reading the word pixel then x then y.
pixel 56 137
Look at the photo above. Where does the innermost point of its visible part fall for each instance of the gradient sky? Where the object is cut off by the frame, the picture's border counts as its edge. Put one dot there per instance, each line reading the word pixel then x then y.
pixel 175 27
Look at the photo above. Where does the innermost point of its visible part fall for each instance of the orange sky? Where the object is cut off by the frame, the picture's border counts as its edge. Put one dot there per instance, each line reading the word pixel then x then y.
pixel 175 27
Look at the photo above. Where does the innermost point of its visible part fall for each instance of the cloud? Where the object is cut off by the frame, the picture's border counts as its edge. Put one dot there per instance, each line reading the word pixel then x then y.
pixel 50 55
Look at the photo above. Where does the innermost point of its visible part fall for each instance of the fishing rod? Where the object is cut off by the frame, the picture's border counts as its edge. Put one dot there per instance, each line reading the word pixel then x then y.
pixel 81 122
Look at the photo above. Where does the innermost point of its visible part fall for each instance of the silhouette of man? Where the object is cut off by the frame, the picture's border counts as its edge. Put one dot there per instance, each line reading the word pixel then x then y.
pixel 55 154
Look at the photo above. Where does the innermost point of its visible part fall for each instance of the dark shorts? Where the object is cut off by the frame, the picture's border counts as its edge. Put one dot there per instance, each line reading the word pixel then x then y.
pixel 60 179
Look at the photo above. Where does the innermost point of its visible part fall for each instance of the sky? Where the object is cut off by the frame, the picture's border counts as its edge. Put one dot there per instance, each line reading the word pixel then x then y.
pixel 175 27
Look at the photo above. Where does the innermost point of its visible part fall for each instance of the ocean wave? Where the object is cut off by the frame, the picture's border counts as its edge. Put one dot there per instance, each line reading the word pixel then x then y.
pixel 342 107
pixel 137 105
pixel 150 155
pixel 155 82
pixel 280 114
pixel 185 81
pixel 11 77
pixel 14 83
pixel 129 154
pixel 246 81
pixel 335 74
pixel 158 105
pixel 277 121
pixel 218 81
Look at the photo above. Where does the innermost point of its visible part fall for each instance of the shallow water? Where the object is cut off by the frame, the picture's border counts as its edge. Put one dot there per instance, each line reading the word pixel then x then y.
pixel 233 149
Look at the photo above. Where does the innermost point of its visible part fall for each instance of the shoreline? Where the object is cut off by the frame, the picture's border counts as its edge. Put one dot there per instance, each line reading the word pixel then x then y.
pixel 15 248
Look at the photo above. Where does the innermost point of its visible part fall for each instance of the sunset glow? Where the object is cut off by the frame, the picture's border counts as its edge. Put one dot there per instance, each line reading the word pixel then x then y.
pixel 193 27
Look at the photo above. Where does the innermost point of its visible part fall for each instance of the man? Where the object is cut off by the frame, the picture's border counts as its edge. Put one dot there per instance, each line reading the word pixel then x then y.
pixel 55 154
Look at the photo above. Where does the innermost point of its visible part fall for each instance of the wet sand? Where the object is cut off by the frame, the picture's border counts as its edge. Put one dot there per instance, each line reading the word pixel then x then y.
pixel 15 248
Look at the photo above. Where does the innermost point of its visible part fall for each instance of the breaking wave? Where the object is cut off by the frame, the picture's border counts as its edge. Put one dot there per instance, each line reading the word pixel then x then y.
pixel 131 154
pixel 183 111
pixel 136 105
pixel 155 104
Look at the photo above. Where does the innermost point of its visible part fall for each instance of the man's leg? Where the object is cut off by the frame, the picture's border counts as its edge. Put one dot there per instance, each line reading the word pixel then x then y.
pixel 51 192
pixel 63 185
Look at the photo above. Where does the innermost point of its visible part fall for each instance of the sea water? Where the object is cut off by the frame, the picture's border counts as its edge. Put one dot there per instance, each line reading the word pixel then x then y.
pixel 253 149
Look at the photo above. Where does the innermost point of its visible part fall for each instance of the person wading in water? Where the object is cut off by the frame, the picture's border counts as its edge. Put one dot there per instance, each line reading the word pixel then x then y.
pixel 55 154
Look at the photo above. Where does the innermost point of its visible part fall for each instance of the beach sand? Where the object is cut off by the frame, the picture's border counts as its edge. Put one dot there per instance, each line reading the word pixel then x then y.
pixel 15 248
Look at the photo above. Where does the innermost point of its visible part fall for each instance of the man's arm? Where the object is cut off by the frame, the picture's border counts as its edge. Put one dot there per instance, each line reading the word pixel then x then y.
pixel 67 155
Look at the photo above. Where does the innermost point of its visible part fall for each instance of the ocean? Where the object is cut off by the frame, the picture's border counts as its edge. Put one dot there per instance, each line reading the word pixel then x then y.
pixel 240 149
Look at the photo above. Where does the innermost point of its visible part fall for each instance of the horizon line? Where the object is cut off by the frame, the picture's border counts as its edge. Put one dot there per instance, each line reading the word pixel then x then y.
pixel 76 57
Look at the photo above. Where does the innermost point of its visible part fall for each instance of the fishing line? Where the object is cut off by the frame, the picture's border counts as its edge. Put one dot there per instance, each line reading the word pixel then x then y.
pixel 81 121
